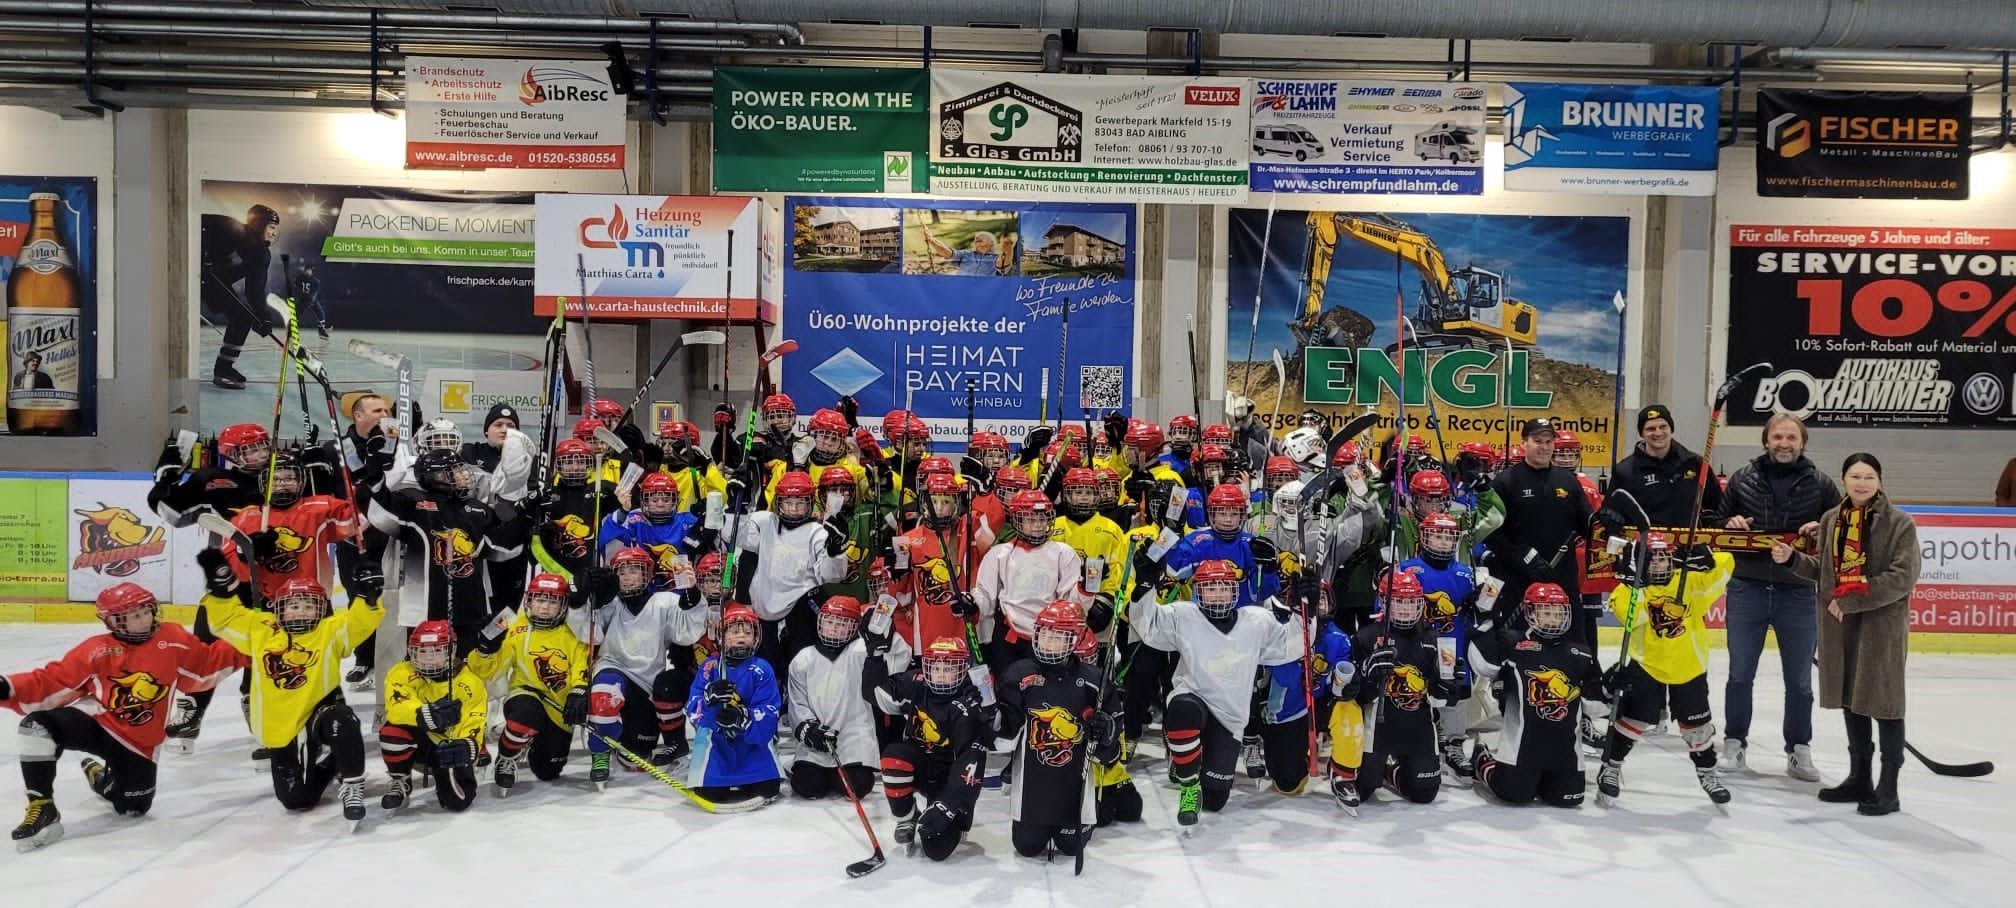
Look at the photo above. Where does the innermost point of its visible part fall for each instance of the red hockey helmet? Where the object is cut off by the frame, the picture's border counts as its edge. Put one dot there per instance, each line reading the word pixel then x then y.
pixel 246 445
pixel 572 458
pixel 1347 455
pixel 944 662
pixel 1225 508
pixel 793 498
pixel 1033 517
pixel 893 426
pixel 779 403
pixel 658 494
pixel 1547 609
pixel 1430 491
pixel 129 611
pixel 300 605
pixel 1567 449
pixel 1401 591
pixel 1009 481
pixel 1658 557
pixel 1183 427
pixel 1416 444
pixel 1058 627
pixel 1218 433
pixel 634 568
pixel 604 408
pixel 546 600
pixel 944 499
pixel 1441 533
pixel 585 427
pixel 878 579
pixel 1081 488
pixel 1109 484
pixel 839 619
pixel 827 421
pixel 1281 468
pixel 707 572
pixel 934 466
pixel 741 630
pixel 430 647
pixel 671 430
pixel 1145 436
pixel 1216 585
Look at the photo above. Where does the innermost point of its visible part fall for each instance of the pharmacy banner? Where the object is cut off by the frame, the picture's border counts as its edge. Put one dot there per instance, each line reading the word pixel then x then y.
pixel 930 304
pixel 1524 327
pixel 474 113
pixel 1893 327
pixel 1403 138
pixel 49 280
pixel 820 129
pixel 1611 139
pixel 1093 138
pixel 1863 144
pixel 656 256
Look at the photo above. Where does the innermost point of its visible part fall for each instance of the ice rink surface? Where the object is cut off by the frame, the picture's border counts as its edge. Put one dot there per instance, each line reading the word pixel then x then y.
pixel 217 837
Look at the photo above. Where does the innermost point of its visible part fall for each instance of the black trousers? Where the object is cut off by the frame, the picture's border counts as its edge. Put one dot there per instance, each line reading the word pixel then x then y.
pixel 533 736
pixel 131 789
pixel 331 747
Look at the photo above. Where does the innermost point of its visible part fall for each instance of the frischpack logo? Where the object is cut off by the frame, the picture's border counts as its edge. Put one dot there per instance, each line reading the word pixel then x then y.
pixel 541 84
pixel 1859 388
pixel 1007 122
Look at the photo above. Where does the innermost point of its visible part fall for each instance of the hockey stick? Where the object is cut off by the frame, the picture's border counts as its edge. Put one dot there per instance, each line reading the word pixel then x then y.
pixel 1190 329
pixel 554 391
pixel 1280 385
pixel 587 334
pixel 224 529
pixel 1958 770
pixel 1063 349
pixel 1722 394
pixel 294 341
pixel 1099 697
pixel 1259 281
pixel 873 862
pixel 647 766
pixel 1617 404
pixel 1434 419
pixel 689 339
pixel 769 356
pixel 1641 565
pixel 273 444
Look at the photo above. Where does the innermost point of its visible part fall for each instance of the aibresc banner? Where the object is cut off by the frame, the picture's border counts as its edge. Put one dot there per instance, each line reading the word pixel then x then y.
pixel 1611 139
pixel 1403 138
pixel 487 114
pixel 654 256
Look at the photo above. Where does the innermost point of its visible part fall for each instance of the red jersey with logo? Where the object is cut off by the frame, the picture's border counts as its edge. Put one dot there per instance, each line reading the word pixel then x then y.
pixel 941 564
pixel 128 688
pixel 1591 584
pixel 301 548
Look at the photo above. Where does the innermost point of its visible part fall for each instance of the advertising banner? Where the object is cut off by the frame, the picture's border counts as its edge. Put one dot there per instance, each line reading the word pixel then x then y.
pixel 655 256
pixel 441 278
pixel 1419 138
pixel 1863 144
pixel 114 537
pixel 923 303
pixel 1612 139
pixel 49 282
pixel 33 515
pixel 1525 328
pixel 1906 327
pixel 491 114
pixel 820 129
pixel 1091 138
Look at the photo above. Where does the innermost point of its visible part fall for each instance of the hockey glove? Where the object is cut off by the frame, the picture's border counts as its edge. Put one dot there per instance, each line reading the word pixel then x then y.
pixel 721 691
pixel 836 539
pixel 817 736
pixel 440 715
pixel 1100 615
pixel 1101 730
pixel 1264 551
pixel 265 544
pixel 601 584
pixel 1033 445
pixel 937 821
pixel 218 579
pixel 1147 570
pixel 1116 431
pixel 724 416
pixel 878 644
pixel 489 644
pixel 575 711
pixel 453 754
pixel 1379 663
pixel 850 410
pixel 1696 559
pixel 731 719
pixel 963 605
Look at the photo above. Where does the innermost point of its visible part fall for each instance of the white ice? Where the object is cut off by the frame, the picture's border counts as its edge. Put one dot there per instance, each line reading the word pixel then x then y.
pixel 217 837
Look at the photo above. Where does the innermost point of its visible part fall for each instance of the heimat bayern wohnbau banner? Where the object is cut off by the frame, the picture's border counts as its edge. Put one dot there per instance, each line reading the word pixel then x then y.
pixel 1863 144
pixel 830 129
pixel 1611 139
pixel 912 301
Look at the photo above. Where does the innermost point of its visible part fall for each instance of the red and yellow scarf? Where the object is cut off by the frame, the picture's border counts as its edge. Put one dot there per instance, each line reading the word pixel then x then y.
pixel 1849 558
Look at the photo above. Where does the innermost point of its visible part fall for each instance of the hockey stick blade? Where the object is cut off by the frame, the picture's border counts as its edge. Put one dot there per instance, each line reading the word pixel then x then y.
pixel 1729 384
pixel 615 443
pixel 222 526
pixel 1318 487
pixel 1956 770
pixel 703 338
pixel 770 356
pixel 867 865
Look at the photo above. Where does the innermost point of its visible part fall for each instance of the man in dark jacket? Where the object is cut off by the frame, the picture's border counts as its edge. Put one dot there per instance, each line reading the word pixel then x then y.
pixel 1780 491
pixel 1663 476
pixel 1545 513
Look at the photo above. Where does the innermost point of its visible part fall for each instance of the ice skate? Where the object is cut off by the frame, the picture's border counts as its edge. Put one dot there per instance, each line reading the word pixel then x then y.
pixel 360 678
pixel 598 770
pixel 507 775
pixel 42 826
pixel 670 752
pixel 184 724
pixel 1187 805
pixel 351 792
pixel 1711 782
pixel 1345 790
pixel 1456 761
pixel 396 796
pixel 98 777
pixel 1254 757
pixel 1609 783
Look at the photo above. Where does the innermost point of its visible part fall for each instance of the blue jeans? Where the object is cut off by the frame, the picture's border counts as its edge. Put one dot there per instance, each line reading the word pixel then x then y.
pixel 1791 610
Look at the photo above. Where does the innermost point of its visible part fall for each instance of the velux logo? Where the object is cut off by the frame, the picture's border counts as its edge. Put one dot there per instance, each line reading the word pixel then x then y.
pixel 1211 95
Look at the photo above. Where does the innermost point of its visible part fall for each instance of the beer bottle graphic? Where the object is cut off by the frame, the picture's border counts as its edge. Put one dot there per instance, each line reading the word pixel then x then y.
pixel 44 319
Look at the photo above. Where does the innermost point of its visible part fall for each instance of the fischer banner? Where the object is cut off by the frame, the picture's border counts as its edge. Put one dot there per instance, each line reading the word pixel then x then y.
pixel 868 305
pixel 1616 139
pixel 473 113
pixel 1408 138
pixel 1905 327
pixel 656 256
pixel 1091 138
pixel 1863 144
pixel 822 129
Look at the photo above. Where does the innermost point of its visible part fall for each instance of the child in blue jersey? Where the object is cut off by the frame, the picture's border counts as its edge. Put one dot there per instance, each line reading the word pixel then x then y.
pixel 1450 588
pixel 1286 714
pixel 658 526
pixel 735 704
pixel 1226 539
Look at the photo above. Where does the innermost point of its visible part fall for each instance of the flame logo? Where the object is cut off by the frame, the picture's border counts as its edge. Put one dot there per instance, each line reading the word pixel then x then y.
pixel 615 229
pixel 528 90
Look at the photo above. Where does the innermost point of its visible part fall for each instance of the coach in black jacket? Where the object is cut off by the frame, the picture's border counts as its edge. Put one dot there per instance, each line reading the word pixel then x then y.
pixel 1663 476
pixel 1779 491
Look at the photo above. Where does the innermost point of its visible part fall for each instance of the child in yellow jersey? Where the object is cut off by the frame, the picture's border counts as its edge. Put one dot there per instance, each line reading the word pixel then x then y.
pixel 434 712
pixel 547 668
pixel 296 649
pixel 1667 658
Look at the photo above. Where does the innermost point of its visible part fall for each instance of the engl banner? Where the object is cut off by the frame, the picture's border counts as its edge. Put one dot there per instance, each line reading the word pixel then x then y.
pixel 1905 327
pixel 1616 139
pixel 930 304
pixel 1408 138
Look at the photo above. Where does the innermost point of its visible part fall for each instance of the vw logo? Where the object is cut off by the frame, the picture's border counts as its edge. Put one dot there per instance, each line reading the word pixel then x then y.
pixel 1982 394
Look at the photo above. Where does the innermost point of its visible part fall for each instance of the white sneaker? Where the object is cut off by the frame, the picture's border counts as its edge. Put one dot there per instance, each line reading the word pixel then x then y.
pixel 1733 750
pixel 1799 764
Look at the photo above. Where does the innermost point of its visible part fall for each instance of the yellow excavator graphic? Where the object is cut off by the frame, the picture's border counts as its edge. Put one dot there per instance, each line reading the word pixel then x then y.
pixel 1466 307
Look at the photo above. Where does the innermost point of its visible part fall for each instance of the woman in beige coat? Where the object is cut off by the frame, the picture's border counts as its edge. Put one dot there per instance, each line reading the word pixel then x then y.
pixel 1866 567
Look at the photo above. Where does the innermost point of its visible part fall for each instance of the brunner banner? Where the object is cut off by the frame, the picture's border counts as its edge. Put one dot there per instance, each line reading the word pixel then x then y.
pixel 867 303
pixel 464 113
pixel 1090 138
pixel 1408 138
pixel 833 129
pixel 1863 144
pixel 1903 327
pixel 1612 139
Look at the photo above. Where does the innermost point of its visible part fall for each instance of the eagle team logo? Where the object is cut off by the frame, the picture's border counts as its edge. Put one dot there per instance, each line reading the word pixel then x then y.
pixel 937 577
pixel 1052 731
pixel 552 666
pixel 288 666
pixel 455 552
pixel 1668 617
pixel 1441 613
pixel 1551 693
pixel 924 730
pixel 287 548
pixel 570 535
pixel 1406 687
pixel 133 698
pixel 112 541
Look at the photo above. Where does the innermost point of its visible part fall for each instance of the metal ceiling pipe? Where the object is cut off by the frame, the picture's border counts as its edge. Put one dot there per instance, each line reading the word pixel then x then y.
pixel 55 72
pixel 254 58
pixel 1619 71
pixel 339 34
pixel 357 16
pixel 1822 56
pixel 210 100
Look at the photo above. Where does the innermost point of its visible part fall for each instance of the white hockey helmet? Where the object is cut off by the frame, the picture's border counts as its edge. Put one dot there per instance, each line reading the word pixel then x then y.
pixel 1304 446
pixel 1287 505
pixel 439 435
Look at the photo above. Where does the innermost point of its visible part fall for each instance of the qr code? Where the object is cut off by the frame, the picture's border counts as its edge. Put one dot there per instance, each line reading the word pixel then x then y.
pixel 1102 387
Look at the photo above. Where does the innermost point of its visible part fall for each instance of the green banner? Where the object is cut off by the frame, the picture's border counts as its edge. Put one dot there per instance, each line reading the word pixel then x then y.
pixel 34 516
pixel 421 249
pixel 820 129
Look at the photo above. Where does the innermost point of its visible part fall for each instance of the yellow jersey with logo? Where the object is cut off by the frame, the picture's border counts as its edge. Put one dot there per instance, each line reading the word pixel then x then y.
pixel 406 690
pixel 544 662
pixel 291 673
pixel 1666 629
